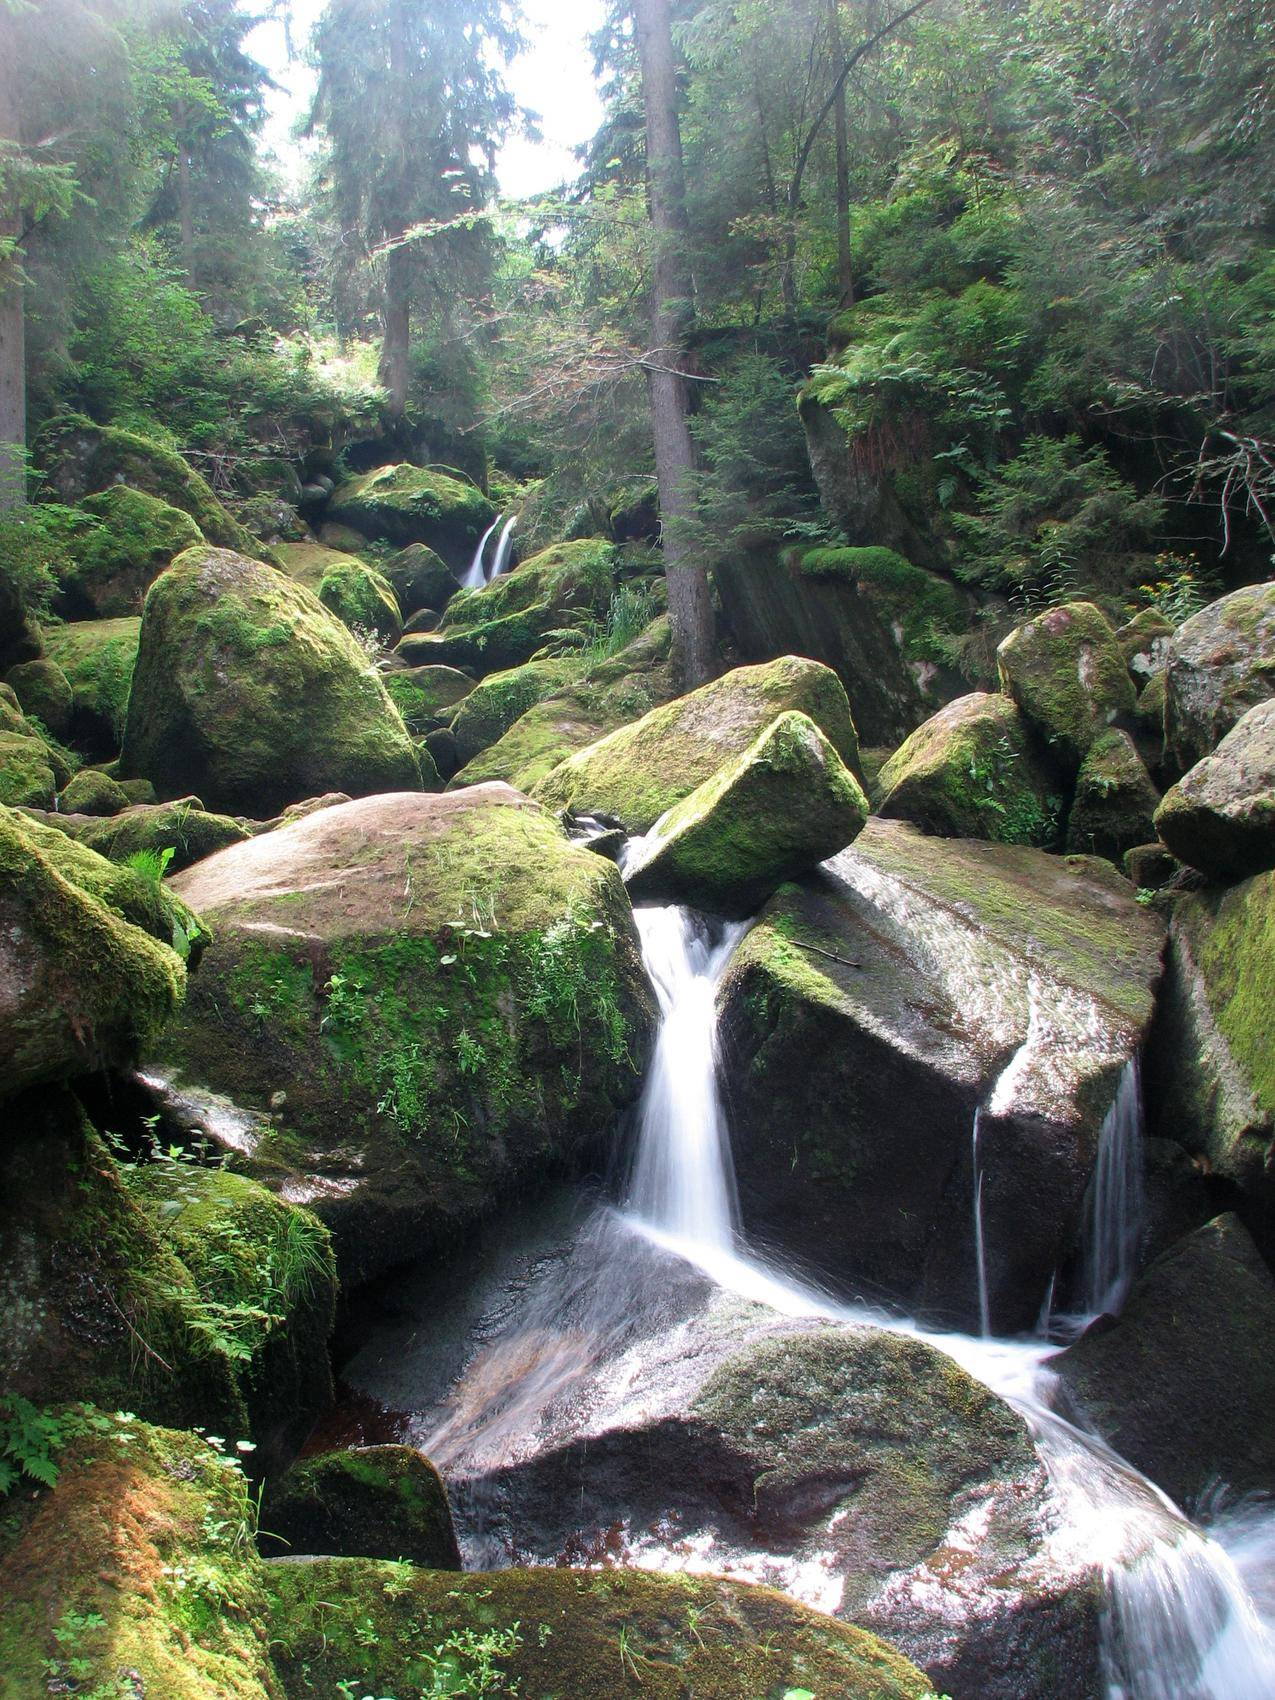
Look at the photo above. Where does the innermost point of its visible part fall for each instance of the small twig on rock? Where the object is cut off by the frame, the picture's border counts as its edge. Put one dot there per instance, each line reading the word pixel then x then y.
pixel 830 954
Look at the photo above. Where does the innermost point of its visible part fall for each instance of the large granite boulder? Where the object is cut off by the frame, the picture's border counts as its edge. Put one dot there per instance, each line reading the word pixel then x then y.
pixel 1113 808
pixel 421 579
pixel 250 693
pixel 1184 1384
pixel 876 1008
pixel 363 599
pixel 638 772
pixel 878 621
pixel 491 708
pixel 1220 663
pixel 1220 818
pixel 44 693
pixel 770 815
pixel 1066 672
pixel 98 657
pixel 432 1001
pixel 1211 1061
pixel 132 538
pixel 413 504
pixel 974 770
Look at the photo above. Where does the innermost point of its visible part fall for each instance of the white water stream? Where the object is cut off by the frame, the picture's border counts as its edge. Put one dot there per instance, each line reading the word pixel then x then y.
pixel 1191 1614
pixel 476 577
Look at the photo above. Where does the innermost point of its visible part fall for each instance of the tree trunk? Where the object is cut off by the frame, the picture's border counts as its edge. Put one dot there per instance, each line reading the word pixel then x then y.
pixel 398 328
pixel 186 214
pixel 845 259
pixel 690 610
pixel 13 377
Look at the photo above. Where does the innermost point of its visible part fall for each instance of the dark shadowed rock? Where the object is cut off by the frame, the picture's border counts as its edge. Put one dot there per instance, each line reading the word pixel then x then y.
pixel 1220 663
pixel 1220 818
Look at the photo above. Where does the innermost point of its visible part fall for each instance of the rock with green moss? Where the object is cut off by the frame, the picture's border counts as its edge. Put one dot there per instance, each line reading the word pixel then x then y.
pixel 1184 1383
pixel 1211 1061
pixel 363 599
pixel 1220 818
pixel 1220 663
pixel 565 1634
pixel 369 1502
pixel 563 589
pixel 421 579
pixel 136 1574
pixel 132 539
pixel 44 693
pixel 31 771
pixel 875 1008
pixel 637 773
pixel 92 792
pixel 491 707
pixel 150 831
pixel 437 1000
pixel 1144 643
pixel 1150 709
pixel 1115 800
pixel 771 815
pixel 308 563
pixel 249 692
pixel 974 770
pixel 1066 672
pixel 849 1465
pixel 82 986
pixel 883 625
pixel 426 696
pixel 412 504
pixel 265 1284
pixel 271 519
pixel 80 458
pixel 612 693
pixel 98 657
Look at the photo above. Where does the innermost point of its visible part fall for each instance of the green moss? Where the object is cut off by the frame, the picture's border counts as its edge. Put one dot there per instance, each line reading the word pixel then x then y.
pixel 137 1575
pixel 1114 807
pixel 250 693
pixel 491 708
pixel 640 771
pixel 554 1634
pixel 425 695
pixel 44 693
pixel 309 563
pixel 361 597
pixel 134 538
pixel 28 775
pixel 412 504
pixel 190 832
pixel 91 792
pixel 1235 954
pixel 1067 675
pixel 98 657
pixel 372 1502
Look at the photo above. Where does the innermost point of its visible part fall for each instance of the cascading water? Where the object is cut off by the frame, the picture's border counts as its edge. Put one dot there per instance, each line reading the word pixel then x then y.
pixel 503 549
pixel 1183 1622
pixel 1116 1204
pixel 475 578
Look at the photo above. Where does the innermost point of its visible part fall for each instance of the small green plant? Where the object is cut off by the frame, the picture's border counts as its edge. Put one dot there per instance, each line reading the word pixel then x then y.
pixel 29 1442
pixel 151 864
pixel 1180 588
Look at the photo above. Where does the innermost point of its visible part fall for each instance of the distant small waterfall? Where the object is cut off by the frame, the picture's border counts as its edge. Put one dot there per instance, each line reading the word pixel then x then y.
pixel 503 549
pixel 475 579
pixel 1116 1203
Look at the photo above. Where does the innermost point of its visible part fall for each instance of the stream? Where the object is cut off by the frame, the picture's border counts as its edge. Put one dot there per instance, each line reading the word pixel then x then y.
pixel 602 1309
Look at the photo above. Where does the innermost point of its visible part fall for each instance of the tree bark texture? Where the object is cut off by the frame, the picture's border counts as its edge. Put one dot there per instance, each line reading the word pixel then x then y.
pixel 13 380
pixel 690 608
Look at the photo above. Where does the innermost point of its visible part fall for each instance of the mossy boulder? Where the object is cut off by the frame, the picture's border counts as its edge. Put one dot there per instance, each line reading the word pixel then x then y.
pixel 1066 672
pixel 1113 809
pixel 1211 1060
pixel 565 1634
pixel 308 563
pixel 503 625
pixel 265 1285
pixel 1144 642
pixel 637 773
pixel 94 1304
pixel 1184 1384
pixel 132 539
pixel 883 625
pixel 98 657
pixel 82 986
pixel 92 792
pixel 1220 663
pixel 612 693
pixel 32 772
pixel 426 696
pixel 974 770
pixel 368 1502
pixel 79 459
pixel 770 815
pixel 136 1574
pixel 1220 818
pixel 363 599
pixel 491 707
pixel 876 1007
pixel 249 692
pixel 185 827
pixel 412 504
pixel 435 999
pixel 421 579
pixel 44 693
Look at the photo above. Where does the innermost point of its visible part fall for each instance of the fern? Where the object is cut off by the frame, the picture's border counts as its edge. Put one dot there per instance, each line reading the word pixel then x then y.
pixel 29 1439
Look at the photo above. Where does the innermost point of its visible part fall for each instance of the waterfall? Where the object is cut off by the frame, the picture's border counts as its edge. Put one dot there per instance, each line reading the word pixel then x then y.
pixel 1184 1620
pixel 1116 1203
pixel 683 1183
pixel 474 579
pixel 503 549
pixel 980 1245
